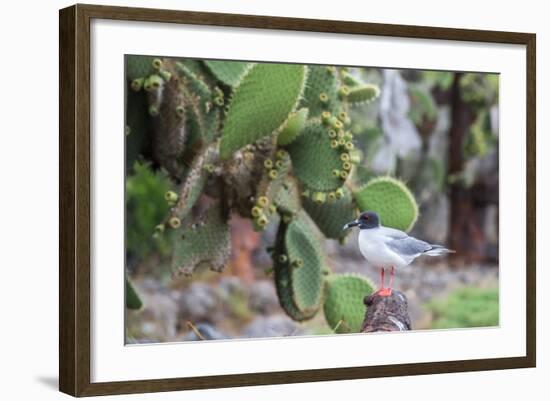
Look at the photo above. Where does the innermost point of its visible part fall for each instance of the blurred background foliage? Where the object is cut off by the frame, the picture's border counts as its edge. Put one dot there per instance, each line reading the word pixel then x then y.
pixel 145 207
pixel 437 131
pixel 466 307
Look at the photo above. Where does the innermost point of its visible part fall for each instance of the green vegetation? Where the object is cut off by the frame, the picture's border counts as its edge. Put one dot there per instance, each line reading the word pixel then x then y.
pixel 466 307
pixel 145 207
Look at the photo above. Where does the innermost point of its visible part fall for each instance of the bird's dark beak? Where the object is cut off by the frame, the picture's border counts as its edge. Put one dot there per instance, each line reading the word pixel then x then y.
pixel 351 224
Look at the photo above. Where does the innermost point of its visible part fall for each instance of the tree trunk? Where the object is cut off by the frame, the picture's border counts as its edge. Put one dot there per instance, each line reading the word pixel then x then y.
pixel 386 313
pixel 465 236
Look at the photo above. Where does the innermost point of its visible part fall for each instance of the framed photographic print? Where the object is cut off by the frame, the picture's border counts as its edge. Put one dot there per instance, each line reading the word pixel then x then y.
pixel 250 200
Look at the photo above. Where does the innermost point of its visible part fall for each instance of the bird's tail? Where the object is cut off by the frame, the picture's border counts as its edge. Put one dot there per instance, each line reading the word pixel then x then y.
pixel 438 250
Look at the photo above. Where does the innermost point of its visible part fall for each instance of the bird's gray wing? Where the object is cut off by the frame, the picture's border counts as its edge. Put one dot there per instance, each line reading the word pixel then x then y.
pixel 392 233
pixel 408 246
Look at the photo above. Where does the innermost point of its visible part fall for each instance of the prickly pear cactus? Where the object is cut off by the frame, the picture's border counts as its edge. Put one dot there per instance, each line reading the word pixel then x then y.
pixel 343 303
pixel 269 142
pixel 391 199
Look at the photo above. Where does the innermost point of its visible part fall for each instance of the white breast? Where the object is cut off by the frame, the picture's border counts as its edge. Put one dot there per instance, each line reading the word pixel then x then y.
pixel 372 245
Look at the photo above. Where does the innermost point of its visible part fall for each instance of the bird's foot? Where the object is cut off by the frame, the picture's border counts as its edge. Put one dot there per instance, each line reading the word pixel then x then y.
pixel 384 292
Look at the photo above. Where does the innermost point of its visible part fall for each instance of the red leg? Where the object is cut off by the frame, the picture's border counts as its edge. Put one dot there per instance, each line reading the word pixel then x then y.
pixel 386 292
pixel 382 275
pixel 392 275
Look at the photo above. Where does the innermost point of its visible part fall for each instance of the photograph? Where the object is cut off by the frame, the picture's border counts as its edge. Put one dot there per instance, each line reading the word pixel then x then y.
pixel 272 200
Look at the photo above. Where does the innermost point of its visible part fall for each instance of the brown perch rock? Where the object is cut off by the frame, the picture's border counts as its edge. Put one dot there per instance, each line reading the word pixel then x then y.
pixel 386 313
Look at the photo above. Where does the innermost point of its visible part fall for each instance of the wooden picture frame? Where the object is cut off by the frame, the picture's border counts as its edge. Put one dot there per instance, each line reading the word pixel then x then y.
pixel 75 206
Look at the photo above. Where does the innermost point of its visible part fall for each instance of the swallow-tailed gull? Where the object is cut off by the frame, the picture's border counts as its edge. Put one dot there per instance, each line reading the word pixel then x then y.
pixel 386 247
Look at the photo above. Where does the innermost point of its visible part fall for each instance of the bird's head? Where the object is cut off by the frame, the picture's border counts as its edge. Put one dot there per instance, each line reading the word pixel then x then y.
pixel 364 221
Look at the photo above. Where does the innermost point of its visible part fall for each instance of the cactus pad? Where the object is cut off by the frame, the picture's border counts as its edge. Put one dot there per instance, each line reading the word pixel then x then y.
pixel 303 243
pixel 283 271
pixel 261 103
pixel 331 216
pixel 133 300
pixel 229 72
pixel 391 199
pixel 294 125
pixel 314 160
pixel 281 194
pixel 321 93
pixel 287 199
pixel 343 303
pixel 193 82
pixel 363 94
pixel 139 127
pixel 194 182
pixel 350 80
pixel 299 260
pixel 205 241
pixel 274 189
pixel 139 67
pixel 170 131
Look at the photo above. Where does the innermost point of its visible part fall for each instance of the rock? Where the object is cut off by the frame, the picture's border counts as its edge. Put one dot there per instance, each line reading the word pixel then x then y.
pixel 400 135
pixel 198 303
pixel 157 320
pixel 272 326
pixel 263 297
pixel 229 286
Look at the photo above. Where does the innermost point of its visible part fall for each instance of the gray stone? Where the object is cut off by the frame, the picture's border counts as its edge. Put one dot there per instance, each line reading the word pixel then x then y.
pixel 198 303
pixel 158 318
pixel 272 326
pixel 263 297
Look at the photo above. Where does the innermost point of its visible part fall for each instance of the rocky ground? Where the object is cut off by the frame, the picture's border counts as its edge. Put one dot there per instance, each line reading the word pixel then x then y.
pixel 228 307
